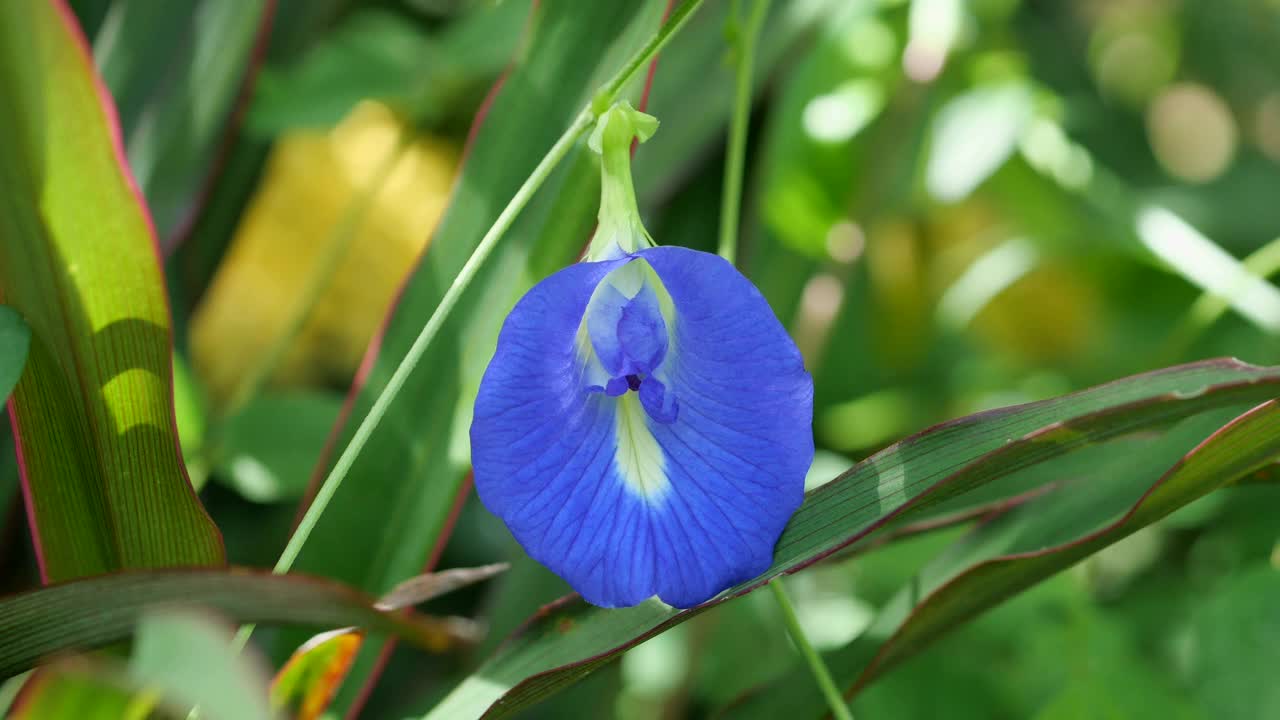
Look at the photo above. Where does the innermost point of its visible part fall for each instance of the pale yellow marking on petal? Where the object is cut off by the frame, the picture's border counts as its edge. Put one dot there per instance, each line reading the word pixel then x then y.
pixel 639 459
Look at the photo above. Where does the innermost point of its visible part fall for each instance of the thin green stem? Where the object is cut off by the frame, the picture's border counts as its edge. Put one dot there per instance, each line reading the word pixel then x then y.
pixel 321 277
pixel 735 161
pixel 835 700
pixel 608 94
pixel 576 130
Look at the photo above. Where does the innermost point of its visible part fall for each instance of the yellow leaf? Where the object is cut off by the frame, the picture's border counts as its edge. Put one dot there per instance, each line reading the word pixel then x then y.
pixel 320 189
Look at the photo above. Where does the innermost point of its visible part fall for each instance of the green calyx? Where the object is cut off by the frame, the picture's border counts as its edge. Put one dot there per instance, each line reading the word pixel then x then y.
pixel 620 229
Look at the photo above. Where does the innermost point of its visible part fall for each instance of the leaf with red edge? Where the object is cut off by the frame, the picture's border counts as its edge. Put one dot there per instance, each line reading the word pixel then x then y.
pixel 1006 556
pixel 315 671
pixel 93 412
pixel 308 681
pixel 566 641
pixel 84 614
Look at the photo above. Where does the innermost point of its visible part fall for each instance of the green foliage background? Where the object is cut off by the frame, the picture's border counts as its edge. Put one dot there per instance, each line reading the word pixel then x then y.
pixel 954 206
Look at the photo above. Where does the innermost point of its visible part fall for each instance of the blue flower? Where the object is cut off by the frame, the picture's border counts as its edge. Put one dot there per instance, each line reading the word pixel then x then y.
pixel 644 427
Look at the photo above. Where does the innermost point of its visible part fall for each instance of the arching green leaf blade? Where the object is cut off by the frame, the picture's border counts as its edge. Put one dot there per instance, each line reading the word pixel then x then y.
pixel 93 412
pixel 84 614
pixel 564 643
pixel 1004 557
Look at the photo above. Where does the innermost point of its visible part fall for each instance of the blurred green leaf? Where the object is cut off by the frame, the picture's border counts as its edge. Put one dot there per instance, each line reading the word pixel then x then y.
pixel 813 157
pixel 85 614
pixel 896 484
pixel 1262 263
pixel 68 692
pixel 15 339
pixel 382 55
pixel 1234 644
pixel 267 449
pixel 694 84
pixel 189 659
pixel 177 71
pixel 373 54
pixel 94 409
pixel 1108 679
pixel 403 489
pixel 1124 219
pixel 973 135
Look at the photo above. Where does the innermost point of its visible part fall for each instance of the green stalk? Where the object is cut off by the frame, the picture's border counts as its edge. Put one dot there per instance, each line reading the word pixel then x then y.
pixel 736 151
pixel 576 130
pixel 835 700
pixel 730 210
pixel 608 94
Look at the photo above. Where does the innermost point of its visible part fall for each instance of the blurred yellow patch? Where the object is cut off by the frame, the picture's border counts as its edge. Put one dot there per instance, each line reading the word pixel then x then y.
pixel 896 266
pixel 1048 315
pixel 996 285
pixel 325 196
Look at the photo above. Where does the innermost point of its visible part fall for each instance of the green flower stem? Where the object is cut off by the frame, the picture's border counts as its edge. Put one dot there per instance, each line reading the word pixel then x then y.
pixel 612 138
pixel 835 700
pixel 735 160
pixel 619 226
pixel 730 210
pixel 600 103
pixel 608 94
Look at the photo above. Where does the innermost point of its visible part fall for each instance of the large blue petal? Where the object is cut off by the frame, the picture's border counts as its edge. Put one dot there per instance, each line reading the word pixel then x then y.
pixel 624 506
pixel 739 449
pixel 543 448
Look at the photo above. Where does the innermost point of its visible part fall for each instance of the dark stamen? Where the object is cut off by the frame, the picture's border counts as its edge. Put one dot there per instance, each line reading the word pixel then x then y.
pixel 633 382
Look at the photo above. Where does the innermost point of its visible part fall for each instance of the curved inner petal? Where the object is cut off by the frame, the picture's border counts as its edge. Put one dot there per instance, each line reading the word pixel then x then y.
pixel 603 315
pixel 642 333
pixel 659 401
pixel 630 337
